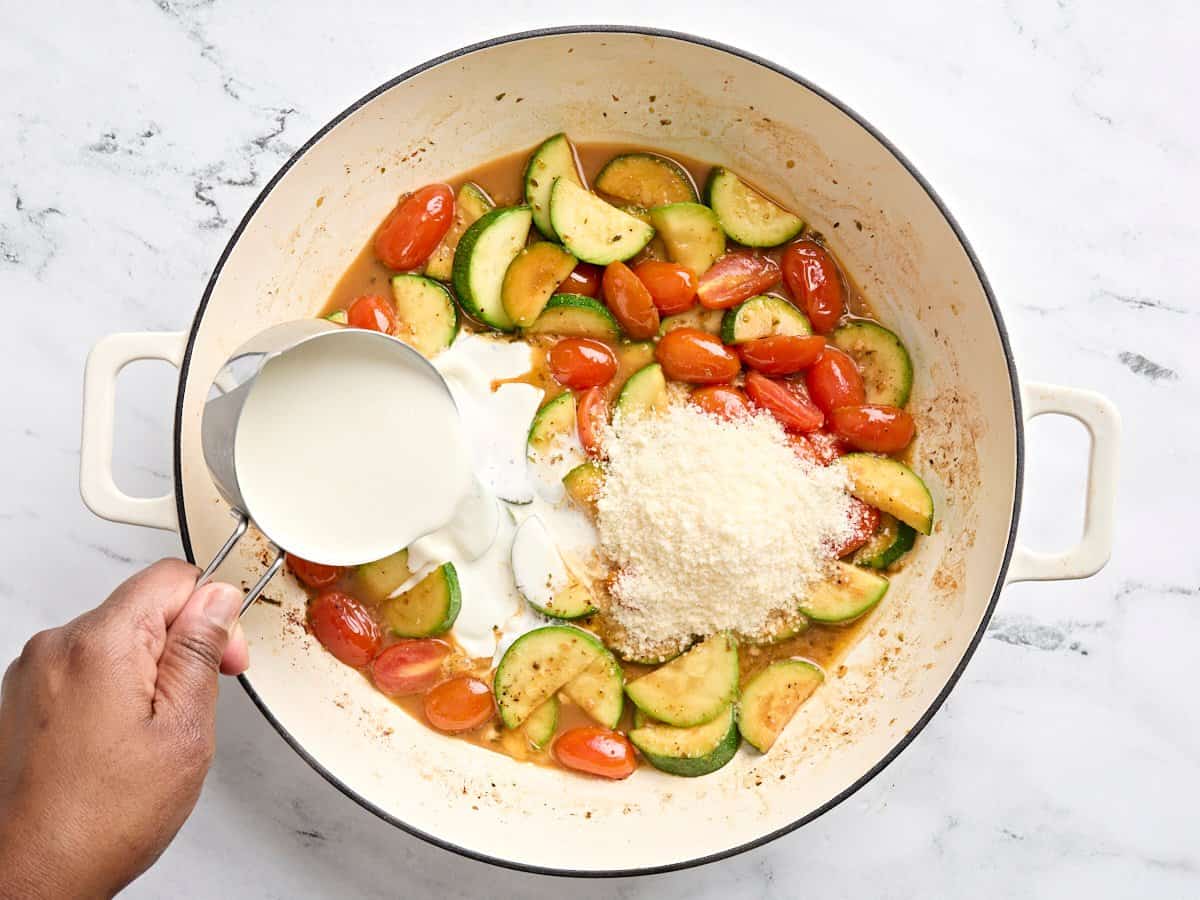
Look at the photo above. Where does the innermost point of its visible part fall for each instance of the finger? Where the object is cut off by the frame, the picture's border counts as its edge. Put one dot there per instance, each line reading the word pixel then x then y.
pixel 237 654
pixel 187 672
pixel 149 601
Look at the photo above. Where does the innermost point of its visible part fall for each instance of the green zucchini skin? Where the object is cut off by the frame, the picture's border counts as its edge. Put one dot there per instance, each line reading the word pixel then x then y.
pixel 882 358
pixel 689 752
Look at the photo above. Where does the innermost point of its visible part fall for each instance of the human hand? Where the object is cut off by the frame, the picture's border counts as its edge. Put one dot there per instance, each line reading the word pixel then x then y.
pixel 107 732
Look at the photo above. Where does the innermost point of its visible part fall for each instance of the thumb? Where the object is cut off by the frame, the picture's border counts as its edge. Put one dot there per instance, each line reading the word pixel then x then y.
pixel 191 657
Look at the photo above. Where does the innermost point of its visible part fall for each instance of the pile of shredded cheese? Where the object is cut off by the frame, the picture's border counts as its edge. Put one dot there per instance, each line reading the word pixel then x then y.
pixel 712 525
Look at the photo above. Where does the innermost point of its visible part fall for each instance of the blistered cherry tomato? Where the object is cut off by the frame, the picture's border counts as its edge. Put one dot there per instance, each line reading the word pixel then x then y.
pixel 415 227
pixel 781 354
pixel 372 312
pixel 834 381
pixel 630 302
pixel 460 704
pixel 409 667
pixel 581 363
pixel 864 520
pixel 816 282
pixel 344 627
pixel 672 287
pixel 736 277
pixel 596 751
pixel 313 574
pixel 876 429
pixel 584 279
pixel 787 401
pixel 722 400
pixel 591 414
pixel 697 357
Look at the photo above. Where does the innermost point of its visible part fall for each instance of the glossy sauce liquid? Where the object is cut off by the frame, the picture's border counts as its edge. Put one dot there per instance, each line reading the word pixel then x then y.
pixel 502 179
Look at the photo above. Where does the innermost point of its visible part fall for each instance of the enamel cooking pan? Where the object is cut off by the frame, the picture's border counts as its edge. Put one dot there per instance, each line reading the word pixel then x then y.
pixel 891 231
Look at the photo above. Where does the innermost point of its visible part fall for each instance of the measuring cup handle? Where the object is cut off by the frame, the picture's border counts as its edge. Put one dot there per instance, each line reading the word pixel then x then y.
pixel 243 523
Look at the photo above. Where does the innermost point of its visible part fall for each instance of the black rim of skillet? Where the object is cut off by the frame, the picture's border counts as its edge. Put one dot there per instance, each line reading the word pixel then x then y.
pixel 1018 424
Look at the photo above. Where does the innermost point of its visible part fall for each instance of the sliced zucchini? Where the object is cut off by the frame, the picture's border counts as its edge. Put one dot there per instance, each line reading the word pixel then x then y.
pixel 891 541
pixel 644 392
pixel 693 751
pixel 599 690
pixel 539 728
pixel 574 315
pixel 771 698
pixel 338 317
pixel 746 215
pixel 378 580
pixel 849 593
pixel 536 667
pixel 470 205
pixel 697 317
pixel 428 315
pixel 760 317
pixel 554 158
pixel 780 628
pixel 640 213
pixel 531 280
pixel 693 688
pixel 552 421
pixel 583 484
pixel 542 578
pixel 595 231
pixel 428 608
pixel 646 179
pixel 691 233
pixel 632 356
pixel 892 487
pixel 484 253
pixel 882 358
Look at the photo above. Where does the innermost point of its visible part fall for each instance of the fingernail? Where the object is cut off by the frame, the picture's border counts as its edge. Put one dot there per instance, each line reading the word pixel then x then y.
pixel 223 604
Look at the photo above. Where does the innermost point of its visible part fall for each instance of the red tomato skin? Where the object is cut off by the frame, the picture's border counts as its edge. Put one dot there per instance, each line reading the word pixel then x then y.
pixel 582 363
pixel 316 575
pixel 736 277
pixel 827 447
pixel 696 357
pixel 630 302
pixel 672 287
pixel 415 227
pixel 409 666
pixel 372 313
pixel 462 703
pixel 591 414
pixel 873 428
pixel 596 751
pixel 584 279
pixel 834 380
pixel 722 401
pixel 344 628
pixel 864 520
pixel 782 354
pixel 813 277
pixel 786 401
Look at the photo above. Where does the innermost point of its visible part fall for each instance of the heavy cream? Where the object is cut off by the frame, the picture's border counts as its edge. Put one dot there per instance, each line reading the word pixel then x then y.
pixel 349 448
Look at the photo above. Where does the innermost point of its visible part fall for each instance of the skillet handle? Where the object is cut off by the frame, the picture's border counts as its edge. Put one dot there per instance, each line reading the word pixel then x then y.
pixel 96 484
pixel 1103 423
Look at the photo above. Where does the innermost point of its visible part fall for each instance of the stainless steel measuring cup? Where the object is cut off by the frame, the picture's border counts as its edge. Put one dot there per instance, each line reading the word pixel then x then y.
pixel 223 409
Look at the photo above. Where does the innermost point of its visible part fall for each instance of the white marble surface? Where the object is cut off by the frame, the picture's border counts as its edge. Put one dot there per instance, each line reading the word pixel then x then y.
pixel 133 135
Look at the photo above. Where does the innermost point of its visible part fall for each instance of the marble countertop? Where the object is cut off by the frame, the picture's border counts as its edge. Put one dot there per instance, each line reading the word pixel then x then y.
pixel 133 136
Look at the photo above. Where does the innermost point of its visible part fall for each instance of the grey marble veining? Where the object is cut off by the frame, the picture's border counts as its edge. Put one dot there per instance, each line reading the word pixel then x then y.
pixel 135 133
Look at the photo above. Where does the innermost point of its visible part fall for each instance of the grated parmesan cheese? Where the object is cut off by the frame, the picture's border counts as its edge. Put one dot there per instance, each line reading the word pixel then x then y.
pixel 712 525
